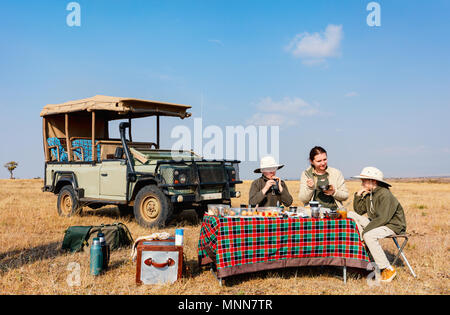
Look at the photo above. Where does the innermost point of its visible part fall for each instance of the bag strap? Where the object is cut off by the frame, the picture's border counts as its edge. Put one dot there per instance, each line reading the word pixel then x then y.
pixel 87 236
pixel 127 231
pixel 123 229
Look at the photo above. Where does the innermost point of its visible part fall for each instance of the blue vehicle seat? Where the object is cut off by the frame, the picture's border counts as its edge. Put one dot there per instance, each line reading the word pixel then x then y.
pixel 82 149
pixel 57 150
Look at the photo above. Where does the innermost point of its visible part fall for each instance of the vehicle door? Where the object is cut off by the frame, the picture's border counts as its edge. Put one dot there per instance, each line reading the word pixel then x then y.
pixel 87 178
pixel 113 179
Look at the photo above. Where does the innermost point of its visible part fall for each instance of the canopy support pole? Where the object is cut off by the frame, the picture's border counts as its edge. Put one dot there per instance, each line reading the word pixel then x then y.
pixel 69 145
pixel 44 127
pixel 157 130
pixel 93 138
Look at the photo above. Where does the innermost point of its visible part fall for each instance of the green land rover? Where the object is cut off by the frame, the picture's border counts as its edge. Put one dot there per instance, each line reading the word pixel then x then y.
pixel 85 167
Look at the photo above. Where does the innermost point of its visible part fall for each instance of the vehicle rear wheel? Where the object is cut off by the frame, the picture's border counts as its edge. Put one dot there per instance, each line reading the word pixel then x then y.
pixel 152 208
pixel 68 204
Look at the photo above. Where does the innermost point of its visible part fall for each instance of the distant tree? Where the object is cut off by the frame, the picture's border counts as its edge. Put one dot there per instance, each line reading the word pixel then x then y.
pixel 11 166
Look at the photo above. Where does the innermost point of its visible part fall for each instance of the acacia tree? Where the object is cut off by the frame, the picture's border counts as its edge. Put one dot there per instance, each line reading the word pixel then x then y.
pixel 11 166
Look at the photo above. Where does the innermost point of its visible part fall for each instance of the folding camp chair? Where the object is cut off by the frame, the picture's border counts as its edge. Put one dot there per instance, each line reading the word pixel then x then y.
pixel 400 250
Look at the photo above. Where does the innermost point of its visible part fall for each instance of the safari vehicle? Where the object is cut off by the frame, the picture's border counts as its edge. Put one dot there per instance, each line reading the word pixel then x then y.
pixel 85 167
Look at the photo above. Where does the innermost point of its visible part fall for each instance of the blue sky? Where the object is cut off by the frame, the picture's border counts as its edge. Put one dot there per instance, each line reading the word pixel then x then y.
pixel 375 96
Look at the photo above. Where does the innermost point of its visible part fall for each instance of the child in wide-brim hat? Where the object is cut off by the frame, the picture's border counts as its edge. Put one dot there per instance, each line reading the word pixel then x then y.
pixel 385 217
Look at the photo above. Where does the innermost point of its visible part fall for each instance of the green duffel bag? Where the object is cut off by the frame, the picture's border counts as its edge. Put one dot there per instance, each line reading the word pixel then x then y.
pixel 77 238
pixel 117 235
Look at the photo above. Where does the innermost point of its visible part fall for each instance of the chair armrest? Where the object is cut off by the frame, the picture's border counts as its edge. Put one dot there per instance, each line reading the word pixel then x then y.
pixel 57 150
pixel 82 151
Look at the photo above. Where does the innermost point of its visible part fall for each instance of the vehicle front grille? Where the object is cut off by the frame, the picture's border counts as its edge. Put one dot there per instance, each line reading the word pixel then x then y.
pixel 211 174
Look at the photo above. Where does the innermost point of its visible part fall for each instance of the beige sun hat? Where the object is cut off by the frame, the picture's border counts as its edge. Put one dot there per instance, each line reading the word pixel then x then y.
pixel 268 162
pixel 371 172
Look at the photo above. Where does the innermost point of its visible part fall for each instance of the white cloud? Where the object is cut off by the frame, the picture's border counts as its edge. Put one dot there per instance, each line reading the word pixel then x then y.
pixel 315 48
pixel 216 41
pixel 268 119
pixel 351 94
pixel 287 111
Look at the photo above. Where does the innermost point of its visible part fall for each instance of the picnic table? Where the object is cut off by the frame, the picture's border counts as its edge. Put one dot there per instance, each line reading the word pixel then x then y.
pixel 237 245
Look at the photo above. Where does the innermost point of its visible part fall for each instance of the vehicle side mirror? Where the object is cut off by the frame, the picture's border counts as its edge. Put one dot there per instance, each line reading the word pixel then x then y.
pixel 118 154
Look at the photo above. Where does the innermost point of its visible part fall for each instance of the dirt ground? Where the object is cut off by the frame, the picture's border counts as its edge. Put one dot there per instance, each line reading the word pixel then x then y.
pixel 31 261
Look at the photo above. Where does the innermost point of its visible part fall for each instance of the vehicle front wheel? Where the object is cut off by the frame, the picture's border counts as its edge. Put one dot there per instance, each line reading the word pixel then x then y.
pixel 68 203
pixel 151 207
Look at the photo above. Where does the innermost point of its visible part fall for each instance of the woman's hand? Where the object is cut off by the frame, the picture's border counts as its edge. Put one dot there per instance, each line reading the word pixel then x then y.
pixel 330 191
pixel 310 183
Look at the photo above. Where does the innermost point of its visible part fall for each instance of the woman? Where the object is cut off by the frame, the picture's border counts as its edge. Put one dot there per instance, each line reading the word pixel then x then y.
pixel 385 217
pixel 322 183
pixel 269 190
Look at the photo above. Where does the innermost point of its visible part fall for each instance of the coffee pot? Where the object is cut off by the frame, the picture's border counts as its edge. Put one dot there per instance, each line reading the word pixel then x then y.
pixel 315 209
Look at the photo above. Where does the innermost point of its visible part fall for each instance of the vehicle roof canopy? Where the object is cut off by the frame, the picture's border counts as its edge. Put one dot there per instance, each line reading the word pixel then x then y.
pixel 113 108
pixel 76 118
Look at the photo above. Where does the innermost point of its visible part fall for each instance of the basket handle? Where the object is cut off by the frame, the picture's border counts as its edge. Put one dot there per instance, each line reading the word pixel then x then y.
pixel 150 262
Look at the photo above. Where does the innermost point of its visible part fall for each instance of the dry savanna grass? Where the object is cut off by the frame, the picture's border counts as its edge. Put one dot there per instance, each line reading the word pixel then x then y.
pixel 31 261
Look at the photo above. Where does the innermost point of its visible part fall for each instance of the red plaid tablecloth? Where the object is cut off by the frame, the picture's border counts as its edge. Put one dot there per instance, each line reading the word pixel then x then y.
pixel 238 245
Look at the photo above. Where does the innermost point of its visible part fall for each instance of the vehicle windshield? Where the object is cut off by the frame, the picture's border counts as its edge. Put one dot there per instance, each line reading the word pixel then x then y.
pixel 144 155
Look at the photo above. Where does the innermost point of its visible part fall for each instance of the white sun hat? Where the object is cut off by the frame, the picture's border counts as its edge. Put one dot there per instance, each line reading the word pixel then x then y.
pixel 267 163
pixel 371 172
